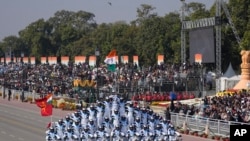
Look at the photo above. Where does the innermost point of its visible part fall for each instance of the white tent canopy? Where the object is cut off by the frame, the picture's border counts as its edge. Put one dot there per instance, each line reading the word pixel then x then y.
pixel 229 79
pixel 230 72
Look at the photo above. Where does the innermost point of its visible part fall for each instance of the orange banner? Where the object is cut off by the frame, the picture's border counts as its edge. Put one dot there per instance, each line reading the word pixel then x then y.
pixel 32 60
pixel 136 60
pixel 7 60
pixel 25 59
pixel 198 58
pixel 52 60
pixel 124 59
pixel 2 59
pixel 92 60
pixel 80 59
pixel 160 59
pixel 65 60
pixel 43 60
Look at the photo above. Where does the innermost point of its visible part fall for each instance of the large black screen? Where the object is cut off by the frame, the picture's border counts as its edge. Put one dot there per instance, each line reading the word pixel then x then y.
pixel 201 41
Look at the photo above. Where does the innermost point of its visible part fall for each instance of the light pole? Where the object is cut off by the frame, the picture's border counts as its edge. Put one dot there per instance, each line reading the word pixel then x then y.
pixel 97 53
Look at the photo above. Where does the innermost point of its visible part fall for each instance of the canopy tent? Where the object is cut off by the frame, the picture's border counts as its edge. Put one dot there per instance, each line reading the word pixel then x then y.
pixel 229 72
pixel 229 79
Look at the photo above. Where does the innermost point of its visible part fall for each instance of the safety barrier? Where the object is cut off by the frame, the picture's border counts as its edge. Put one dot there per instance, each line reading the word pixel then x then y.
pixel 16 94
pixel 217 127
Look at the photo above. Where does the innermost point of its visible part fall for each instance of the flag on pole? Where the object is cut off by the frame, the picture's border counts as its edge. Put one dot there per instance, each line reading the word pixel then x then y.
pixel 46 108
pixel 49 98
pixel 111 60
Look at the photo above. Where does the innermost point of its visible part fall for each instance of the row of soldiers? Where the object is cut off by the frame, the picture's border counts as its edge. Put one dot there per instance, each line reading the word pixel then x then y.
pixel 113 119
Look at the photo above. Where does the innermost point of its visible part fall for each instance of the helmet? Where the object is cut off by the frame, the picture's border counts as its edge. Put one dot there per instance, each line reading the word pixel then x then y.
pixel 69 129
pixel 60 122
pixel 77 122
pixel 67 118
pixel 116 111
pixel 106 119
pixel 123 118
pixel 91 121
pixel 158 126
pixel 100 128
pixel 145 127
pixel 151 119
pixel 117 127
pixel 121 99
pixel 137 119
pixel 131 127
pixel 85 128
pixel 92 107
pixel 51 129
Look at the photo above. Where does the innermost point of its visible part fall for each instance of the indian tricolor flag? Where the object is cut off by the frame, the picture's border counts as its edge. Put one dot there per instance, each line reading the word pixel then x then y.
pixel 49 98
pixel 111 60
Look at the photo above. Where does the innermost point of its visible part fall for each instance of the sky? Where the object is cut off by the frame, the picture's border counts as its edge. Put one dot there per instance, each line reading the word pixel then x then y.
pixel 15 15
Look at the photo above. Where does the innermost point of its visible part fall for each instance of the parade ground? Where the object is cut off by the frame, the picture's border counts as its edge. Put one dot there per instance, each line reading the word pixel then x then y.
pixel 23 122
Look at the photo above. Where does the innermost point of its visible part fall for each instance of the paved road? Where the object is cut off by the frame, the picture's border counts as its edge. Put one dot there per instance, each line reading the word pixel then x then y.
pixel 22 122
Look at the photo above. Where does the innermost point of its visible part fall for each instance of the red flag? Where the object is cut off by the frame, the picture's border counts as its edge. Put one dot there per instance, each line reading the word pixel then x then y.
pixel 46 109
pixel 49 125
pixel 41 102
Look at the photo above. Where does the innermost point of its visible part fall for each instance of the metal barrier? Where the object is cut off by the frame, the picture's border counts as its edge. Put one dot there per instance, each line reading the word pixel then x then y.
pixel 16 94
pixel 218 127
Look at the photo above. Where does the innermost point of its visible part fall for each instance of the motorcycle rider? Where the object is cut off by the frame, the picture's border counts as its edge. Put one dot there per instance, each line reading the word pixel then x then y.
pixel 124 124
pixel 116 118
pixel 107 125
pixel 101 135
pixel 130 133
pixel 99 114
pixel 91 126
pixel 85 134
pixel 116 134
pixel 84 117
pixel 51 134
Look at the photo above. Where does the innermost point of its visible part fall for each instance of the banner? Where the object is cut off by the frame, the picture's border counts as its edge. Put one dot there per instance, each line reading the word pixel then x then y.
pixel 26 60
pixel 65 60
pixel 52 60
pixel 136 60
pixel 7 60
pixel 83 83
pixel 2 59
pixel 32 60
pixel 43 60
pixel 92 61
pixel 80 59
pixel 198 58
pixel 124 59
pixel 160 59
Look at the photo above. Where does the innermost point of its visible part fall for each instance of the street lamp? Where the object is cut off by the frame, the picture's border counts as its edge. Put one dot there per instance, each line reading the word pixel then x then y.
pixel 97 53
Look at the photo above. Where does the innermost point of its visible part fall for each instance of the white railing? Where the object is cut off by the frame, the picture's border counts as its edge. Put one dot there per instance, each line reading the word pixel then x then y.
pixel 218 127
pixel 18 93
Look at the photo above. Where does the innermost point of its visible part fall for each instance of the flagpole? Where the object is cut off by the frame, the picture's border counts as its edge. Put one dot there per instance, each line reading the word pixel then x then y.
pixel 51 117
pixel 51 120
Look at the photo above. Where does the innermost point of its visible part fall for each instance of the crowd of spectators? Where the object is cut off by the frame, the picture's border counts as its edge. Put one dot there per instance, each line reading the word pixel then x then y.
pixel 232 107
pixel 128 79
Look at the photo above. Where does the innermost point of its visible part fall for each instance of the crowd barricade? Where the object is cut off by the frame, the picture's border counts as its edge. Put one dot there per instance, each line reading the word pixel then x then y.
pixel 150 97
pixel 217 127
pixel 16 94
